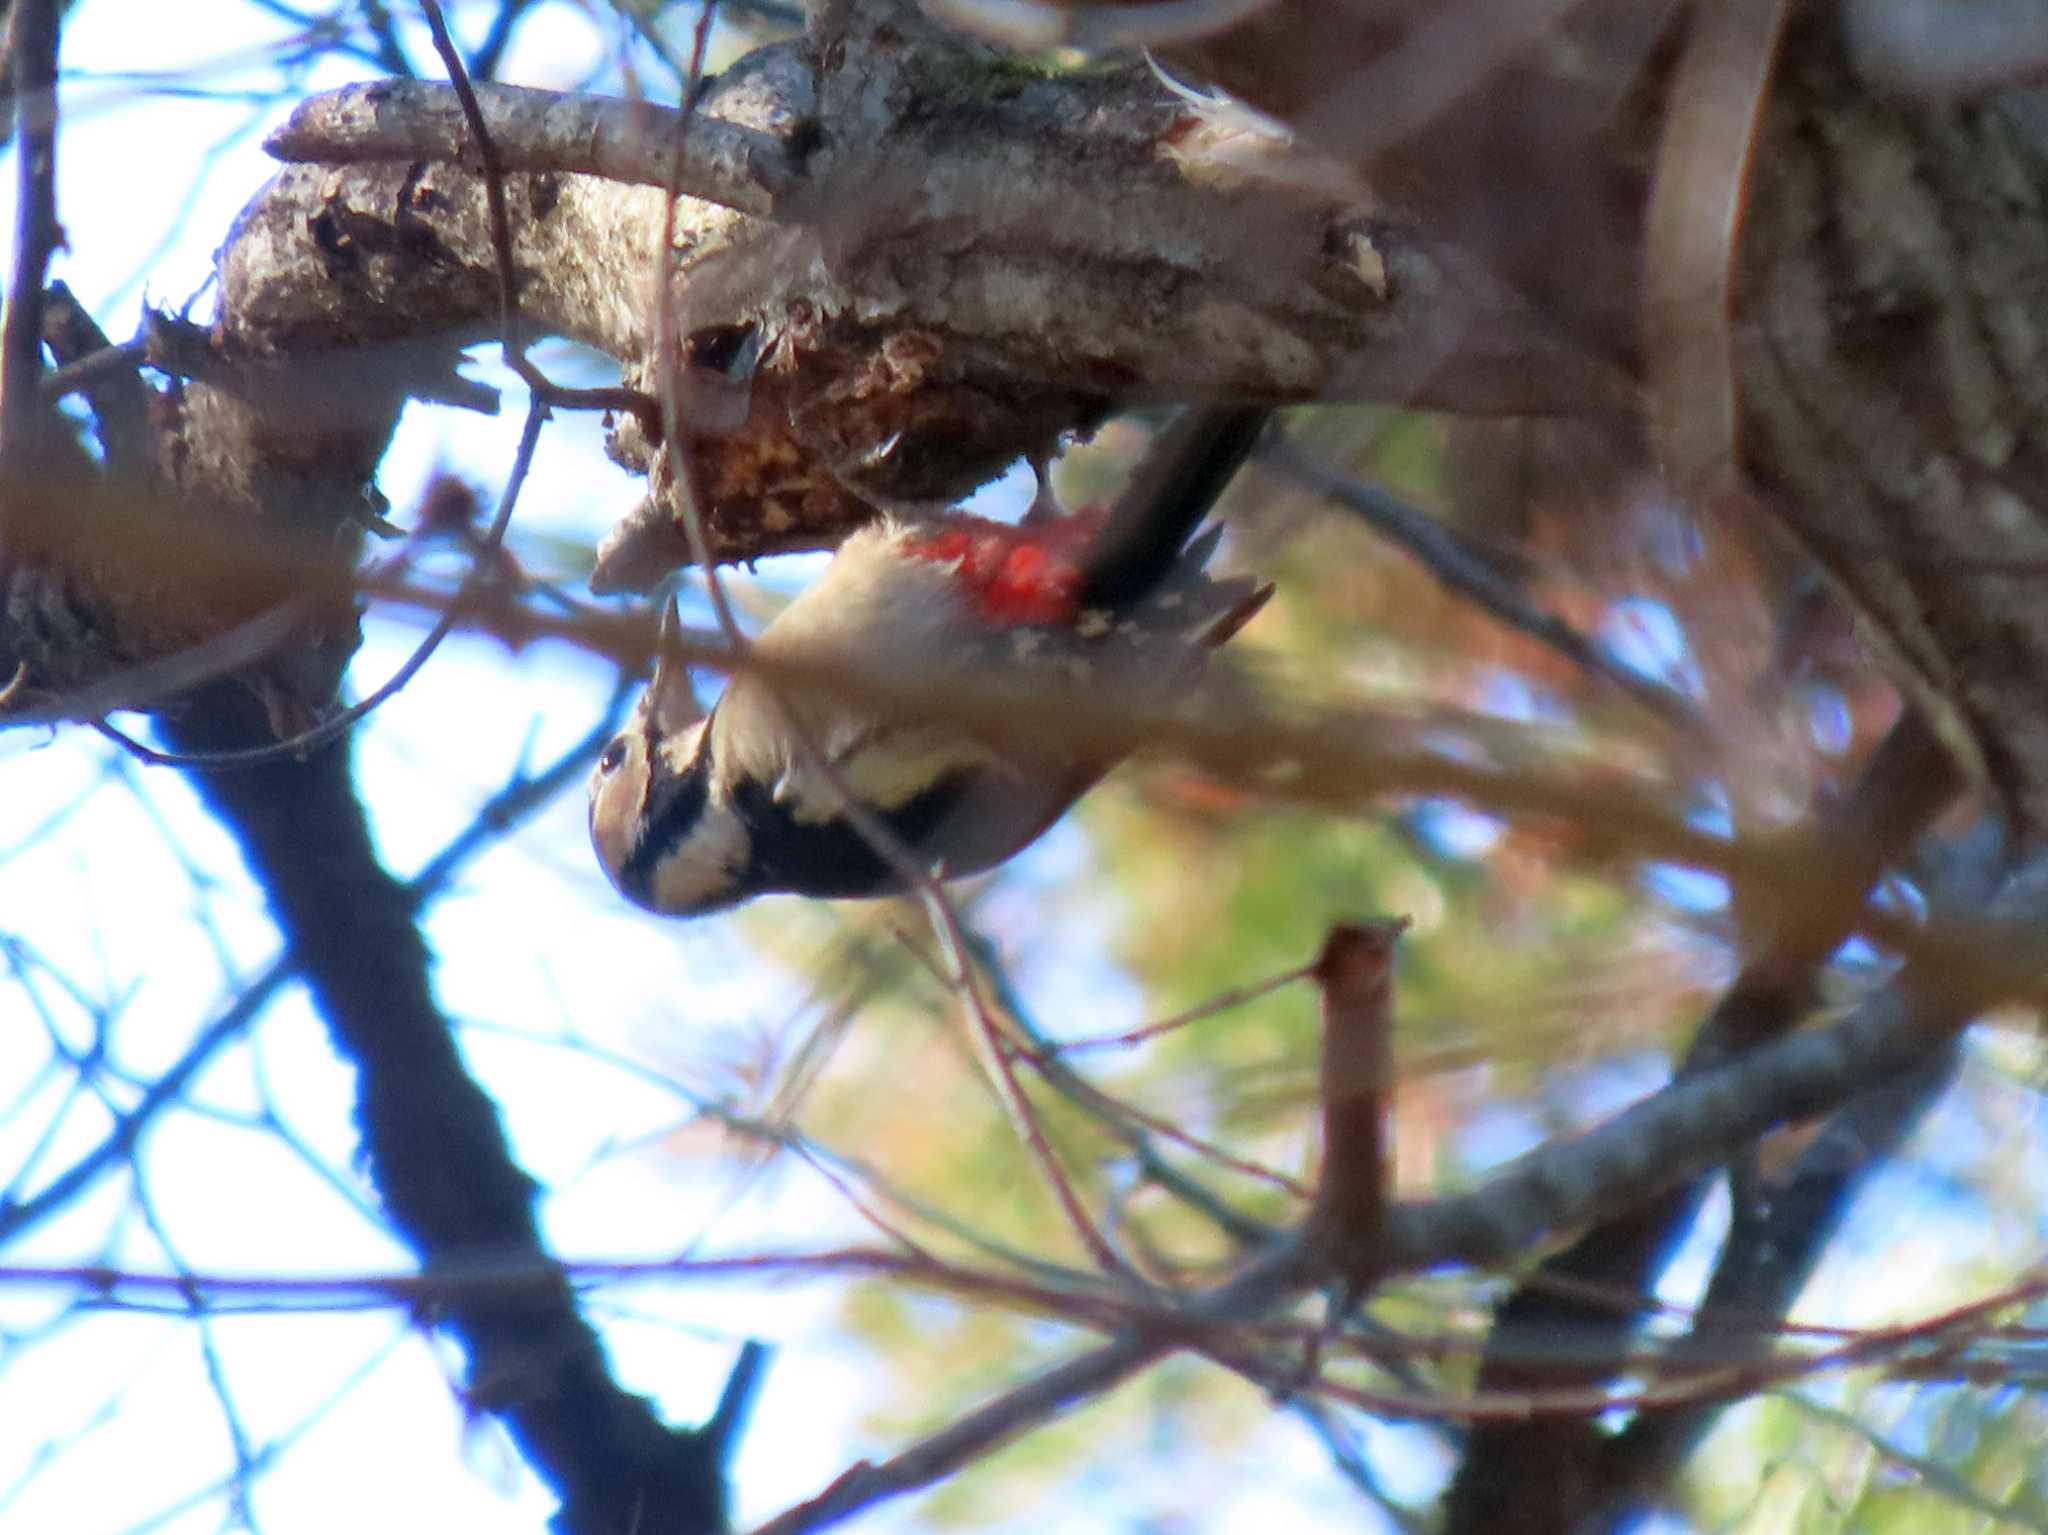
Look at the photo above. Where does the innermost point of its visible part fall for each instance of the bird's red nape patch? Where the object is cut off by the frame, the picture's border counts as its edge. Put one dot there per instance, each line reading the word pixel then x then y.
pixel 1017 576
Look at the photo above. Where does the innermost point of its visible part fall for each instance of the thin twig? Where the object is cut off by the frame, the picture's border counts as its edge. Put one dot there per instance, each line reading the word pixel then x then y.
pixel 995 1053
pixel 520 798
pixel 511 334
pixel 1133 1126
pixel 668 345
pixel 1036 1401
pixel 1222 1002
pixel 512 330
pixel 110 362
pixel 483 569
pixel 117 397
pixel 181 671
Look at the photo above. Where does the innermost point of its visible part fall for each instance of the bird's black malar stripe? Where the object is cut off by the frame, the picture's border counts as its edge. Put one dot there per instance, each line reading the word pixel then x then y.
pixel 833 858
pixel 669 811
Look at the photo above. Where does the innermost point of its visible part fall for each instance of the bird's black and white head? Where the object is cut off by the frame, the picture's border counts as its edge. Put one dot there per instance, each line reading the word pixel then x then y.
pixel 664 831
pixel 808 788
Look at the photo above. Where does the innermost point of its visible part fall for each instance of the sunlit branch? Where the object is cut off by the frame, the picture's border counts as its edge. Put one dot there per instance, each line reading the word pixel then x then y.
pixel 634 142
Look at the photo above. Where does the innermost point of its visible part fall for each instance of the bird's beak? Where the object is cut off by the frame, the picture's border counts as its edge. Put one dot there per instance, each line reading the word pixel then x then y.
pixel 671 698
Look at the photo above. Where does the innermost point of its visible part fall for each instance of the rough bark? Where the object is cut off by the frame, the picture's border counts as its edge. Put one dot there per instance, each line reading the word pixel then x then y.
pixel 1894 370
pixel 961 259
pixel 433 1146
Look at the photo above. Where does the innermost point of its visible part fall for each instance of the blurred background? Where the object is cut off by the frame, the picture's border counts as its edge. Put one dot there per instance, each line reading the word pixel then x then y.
pixel 797 1078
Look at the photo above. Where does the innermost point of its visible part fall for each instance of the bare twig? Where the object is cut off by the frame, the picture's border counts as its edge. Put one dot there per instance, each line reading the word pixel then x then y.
pixel 520 798
pixel 511 334
pixel 110 362
pixel 483 569
pixel 106 374
pixel 512 330
pixel 1036 1401
pixel 169 676
pixel 994 1051
pixel 1595 1290
pixel 669 345
pixel 1222 1002
pixel 1135 1129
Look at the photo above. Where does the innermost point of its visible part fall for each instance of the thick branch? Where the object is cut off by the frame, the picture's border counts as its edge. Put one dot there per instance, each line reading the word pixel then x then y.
pixel 1702 1120
pixel 433 1143
pixel 963 259
pixel 634 142
pixel 1690 1125
pixel 32 34
pixel 1895 381
pixel 1575 1319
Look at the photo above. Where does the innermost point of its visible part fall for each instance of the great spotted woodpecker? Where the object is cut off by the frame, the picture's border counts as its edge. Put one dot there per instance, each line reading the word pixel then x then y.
pixel 692 812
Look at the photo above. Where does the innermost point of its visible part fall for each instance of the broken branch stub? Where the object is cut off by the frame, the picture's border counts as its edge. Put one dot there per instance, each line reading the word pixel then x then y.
pixel 1355 972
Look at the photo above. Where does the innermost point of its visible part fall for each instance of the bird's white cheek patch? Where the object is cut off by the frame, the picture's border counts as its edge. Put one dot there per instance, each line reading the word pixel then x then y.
pixel 615 800
pixel 704 869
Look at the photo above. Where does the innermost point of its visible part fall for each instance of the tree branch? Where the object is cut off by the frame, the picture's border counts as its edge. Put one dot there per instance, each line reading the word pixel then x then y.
pixel 1584 1304
pixel 32 34
pixel 543 132
pixel 433 1143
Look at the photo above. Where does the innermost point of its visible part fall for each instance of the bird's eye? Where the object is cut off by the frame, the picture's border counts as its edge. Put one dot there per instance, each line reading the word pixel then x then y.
pixel 614 754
